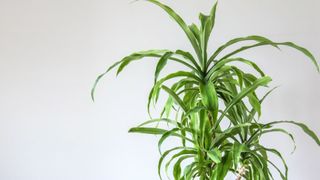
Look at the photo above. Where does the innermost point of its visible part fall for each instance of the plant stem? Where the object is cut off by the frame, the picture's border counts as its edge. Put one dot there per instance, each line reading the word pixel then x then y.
pixel 241 172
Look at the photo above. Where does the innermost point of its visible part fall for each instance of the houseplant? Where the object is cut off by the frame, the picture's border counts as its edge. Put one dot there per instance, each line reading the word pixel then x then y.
pixel 211 93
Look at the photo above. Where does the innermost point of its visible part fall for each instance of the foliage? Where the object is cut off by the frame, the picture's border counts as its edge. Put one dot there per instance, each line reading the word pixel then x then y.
pixel 212 91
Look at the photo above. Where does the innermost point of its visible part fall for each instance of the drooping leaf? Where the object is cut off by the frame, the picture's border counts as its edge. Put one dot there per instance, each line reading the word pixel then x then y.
pixel 175 97
pixel 139 55
pixel 277 153
pixel 281 131
pixel 177 167
pixel 125 61
pixel 304 127
pixel 256 38
pixel 304 51
pixel 172 132
pixel 162 62
pixel 185 152
pixel 288 44
pixel 164 155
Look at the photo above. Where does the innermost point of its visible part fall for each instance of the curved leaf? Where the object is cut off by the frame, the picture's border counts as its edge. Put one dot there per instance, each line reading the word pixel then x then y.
pixel 125 61
pixel 182 24
pixel 162 62
pixel 175 97
pixel 304 127
pixel 256 38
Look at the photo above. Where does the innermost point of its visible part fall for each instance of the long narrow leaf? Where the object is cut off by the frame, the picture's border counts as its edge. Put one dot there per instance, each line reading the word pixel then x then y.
pixel 181 23
pixel 144 130
pixel 304 127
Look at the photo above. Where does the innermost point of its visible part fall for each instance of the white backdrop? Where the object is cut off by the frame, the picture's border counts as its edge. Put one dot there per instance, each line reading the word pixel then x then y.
pixel 51 52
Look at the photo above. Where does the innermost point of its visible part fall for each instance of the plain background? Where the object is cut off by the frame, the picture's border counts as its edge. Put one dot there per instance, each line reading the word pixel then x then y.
pixel 52 50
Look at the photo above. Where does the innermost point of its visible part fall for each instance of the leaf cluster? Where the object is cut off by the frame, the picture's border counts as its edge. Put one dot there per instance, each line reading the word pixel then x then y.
pixel 213 90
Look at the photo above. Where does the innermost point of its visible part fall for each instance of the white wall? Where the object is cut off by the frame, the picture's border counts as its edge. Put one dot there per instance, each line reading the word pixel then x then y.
pixel 51 52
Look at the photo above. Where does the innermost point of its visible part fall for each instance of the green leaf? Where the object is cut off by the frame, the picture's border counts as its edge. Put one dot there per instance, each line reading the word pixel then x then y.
pixel 188 171
pixel 253 111
pixel 221 63
pixel 161 64
pixel 189 57
pixel 144 130
pixel 163 156
pixel 222 168
pixel 101 76
pixel 167 108
pixel 305 128
pixel 182 24
pixel 194 110
pixel 231 132
pixel 254 101
pixel 124 62
pixel 289 44
pixel 195 30
pixel 160 120
pixel 282 131
pixel 277 153
pixel 153 95
pixel 260 82
pixel 138 56
pixel 215 155
pixel 172 132
pixel 175 97
pixel 279 171
pixel 211 22
pixel 209 97
pixel 177 167
pixel 239 74
pixel 175 75
pixel 304 51
pixel 189 152
pixel 256 38
pixel 237 149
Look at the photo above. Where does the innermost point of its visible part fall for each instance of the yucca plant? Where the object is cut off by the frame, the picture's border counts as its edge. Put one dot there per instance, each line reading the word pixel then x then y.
pixel 212 107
